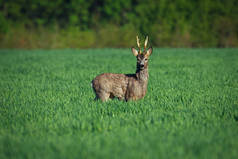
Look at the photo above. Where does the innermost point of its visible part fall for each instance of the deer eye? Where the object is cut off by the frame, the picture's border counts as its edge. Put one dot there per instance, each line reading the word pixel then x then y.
pixel 146 59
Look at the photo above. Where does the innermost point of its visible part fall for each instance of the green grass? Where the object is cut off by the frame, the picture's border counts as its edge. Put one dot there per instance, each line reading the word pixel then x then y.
pixel 47 108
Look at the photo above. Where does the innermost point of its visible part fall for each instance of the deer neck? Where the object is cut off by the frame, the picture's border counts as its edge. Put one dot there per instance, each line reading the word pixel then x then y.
pixel 142 75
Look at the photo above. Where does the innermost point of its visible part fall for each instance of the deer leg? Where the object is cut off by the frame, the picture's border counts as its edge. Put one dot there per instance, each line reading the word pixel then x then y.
pixel 96 98
pixel 131 98
pixel 121 98
pixel 104 96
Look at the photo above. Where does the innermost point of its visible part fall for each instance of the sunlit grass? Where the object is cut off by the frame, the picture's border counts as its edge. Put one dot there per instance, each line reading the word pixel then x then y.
pixel 47 108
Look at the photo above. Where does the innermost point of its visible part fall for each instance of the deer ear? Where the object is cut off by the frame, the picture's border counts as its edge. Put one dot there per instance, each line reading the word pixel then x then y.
pixel 134 51
pixel 149 51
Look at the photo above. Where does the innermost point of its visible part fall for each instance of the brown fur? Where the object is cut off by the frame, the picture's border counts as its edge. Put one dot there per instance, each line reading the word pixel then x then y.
pixel 124 86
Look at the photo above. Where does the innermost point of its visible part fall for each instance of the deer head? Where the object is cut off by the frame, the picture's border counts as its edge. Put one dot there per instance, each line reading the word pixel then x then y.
pixel 142 57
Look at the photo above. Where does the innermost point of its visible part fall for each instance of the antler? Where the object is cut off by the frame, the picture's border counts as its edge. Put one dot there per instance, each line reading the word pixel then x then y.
pixel 146 41
pixel 138 43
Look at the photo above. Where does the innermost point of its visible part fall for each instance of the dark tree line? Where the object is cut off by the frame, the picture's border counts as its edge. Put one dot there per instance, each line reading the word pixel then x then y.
pixel 199 22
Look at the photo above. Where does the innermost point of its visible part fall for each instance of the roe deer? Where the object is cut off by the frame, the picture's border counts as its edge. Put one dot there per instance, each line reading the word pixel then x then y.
pixel 125 86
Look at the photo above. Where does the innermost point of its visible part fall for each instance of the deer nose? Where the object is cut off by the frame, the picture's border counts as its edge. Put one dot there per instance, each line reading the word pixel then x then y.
pixel 142 63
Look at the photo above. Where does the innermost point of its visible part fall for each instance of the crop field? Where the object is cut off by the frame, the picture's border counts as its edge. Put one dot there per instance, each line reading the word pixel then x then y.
pixel 47 108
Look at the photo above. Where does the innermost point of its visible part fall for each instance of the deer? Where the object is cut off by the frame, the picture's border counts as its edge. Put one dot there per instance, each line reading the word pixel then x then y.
pixel 126 87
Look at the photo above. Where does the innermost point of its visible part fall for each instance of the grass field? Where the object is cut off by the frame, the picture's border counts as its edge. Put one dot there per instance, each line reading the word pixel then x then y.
pixel 47 108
